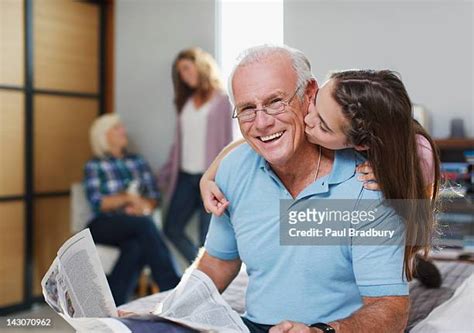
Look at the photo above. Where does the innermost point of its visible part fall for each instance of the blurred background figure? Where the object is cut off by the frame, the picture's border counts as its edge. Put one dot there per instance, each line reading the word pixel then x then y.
pixel 116 58
pixel 204 127
pixel 122 192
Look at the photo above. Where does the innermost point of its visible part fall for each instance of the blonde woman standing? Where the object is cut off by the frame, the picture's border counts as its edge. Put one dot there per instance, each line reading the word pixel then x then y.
pixel 204 127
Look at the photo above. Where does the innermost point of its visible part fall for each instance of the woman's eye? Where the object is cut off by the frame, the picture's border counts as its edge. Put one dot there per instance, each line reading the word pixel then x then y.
pixel 322 128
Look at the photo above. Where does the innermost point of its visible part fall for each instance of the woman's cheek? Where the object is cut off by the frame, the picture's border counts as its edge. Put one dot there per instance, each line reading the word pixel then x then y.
pixel 311 134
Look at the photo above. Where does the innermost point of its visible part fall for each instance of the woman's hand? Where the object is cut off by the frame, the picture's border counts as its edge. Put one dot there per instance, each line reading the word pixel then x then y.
pixel 138 206
pixel 367 176
pixel 212 197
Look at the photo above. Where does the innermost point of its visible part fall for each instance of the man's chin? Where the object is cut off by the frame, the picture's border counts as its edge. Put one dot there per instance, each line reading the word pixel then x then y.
pixel 277 161
pixel 275 157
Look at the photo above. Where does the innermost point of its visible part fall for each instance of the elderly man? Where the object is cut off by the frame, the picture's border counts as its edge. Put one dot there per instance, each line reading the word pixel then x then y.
pixel 294 288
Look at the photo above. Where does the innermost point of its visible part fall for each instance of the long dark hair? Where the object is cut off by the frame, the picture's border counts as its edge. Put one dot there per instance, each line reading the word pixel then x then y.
pixel 209 77
pixel 379 112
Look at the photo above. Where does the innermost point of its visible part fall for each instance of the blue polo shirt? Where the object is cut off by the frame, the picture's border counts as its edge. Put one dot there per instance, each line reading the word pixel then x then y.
pixel 306 284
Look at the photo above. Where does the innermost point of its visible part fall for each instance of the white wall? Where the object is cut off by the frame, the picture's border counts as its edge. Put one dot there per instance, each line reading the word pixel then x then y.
pixel 148 35
pixel 429 42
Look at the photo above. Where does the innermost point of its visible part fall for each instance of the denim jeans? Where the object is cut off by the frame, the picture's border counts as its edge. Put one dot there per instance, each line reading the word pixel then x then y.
pixel 140 244
pixel 185 202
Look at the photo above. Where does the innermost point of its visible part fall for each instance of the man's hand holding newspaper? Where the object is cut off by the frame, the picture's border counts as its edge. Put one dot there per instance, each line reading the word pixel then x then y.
pixel 75 286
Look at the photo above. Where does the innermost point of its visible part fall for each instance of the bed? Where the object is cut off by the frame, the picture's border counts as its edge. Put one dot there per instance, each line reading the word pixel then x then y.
pixel 423 300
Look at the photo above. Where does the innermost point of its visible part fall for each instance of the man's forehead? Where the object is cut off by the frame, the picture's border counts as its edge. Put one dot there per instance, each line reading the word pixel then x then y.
pixel 260 79
pixel 277 63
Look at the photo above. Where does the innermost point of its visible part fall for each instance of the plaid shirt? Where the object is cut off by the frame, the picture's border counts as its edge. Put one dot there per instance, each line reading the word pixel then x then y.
pixel 110 175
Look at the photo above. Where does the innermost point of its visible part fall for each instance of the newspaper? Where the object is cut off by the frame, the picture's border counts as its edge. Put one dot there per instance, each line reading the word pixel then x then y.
pixel 75 287
pixel 197 303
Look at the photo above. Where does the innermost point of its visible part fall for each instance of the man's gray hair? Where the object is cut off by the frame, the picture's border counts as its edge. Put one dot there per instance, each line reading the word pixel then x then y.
pixel 300 63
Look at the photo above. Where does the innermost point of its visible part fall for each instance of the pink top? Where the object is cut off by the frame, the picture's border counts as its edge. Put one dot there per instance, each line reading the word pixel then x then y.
pixel 219 135
pixel 425 153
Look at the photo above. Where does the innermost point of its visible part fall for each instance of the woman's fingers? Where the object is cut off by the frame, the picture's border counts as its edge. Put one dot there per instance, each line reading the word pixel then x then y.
pixel 208 198
pixel 214 200
pixel 221 207
pixel 365 172
pixel 216 192
pixel 364 168
pixel 370 183
pixel 217 207
pixel 366 177
pixel 373 186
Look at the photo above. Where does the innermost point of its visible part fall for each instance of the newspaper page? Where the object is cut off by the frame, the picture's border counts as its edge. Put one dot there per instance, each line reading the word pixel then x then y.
pixel 196 302
pixel 75 284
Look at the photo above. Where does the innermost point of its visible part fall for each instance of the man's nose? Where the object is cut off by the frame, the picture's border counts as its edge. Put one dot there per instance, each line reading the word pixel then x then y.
pixel 263 120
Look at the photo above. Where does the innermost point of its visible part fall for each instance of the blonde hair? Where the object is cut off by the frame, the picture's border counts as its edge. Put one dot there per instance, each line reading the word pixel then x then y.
pixel 208 72
pixel 98 133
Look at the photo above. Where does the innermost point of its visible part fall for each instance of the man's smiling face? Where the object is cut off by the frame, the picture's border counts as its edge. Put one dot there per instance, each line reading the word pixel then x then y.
pixel 276 138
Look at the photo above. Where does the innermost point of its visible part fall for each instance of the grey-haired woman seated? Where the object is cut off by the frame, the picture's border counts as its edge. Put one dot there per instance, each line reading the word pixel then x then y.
pixel 122 192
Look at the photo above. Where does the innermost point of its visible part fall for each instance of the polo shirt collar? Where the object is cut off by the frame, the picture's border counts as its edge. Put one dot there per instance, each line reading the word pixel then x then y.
pixel 342 169
pixel 262 163
pixel 344 166
pixel 265 167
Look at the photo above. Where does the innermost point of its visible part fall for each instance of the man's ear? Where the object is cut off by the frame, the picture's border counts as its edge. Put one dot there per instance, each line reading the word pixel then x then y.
pixel 361 147
pixel 311 90
pixel 314 97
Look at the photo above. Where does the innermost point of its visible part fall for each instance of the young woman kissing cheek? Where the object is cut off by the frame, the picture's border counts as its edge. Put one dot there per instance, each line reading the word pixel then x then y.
pixel 325 123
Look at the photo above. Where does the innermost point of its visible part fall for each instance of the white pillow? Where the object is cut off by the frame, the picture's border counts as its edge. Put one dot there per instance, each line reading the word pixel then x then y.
pixel 454 315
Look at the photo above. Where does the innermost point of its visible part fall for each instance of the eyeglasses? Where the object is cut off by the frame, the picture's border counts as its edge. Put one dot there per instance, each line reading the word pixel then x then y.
pixel 275 106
